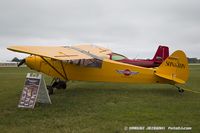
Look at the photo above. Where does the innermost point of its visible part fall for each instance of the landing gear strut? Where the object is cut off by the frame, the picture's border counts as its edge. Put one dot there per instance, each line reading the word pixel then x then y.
pixel 56 83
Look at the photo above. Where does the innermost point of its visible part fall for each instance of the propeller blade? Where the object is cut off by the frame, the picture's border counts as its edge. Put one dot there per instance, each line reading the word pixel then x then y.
pixel 21 62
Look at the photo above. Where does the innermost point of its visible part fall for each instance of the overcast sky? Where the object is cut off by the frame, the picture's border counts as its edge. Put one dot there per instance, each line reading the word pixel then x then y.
pixel 134 28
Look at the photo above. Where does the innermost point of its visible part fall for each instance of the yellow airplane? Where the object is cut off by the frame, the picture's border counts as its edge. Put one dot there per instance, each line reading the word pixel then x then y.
pixel 91 63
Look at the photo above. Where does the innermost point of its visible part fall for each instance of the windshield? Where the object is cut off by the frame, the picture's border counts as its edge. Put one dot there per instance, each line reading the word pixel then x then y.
pixel 116 56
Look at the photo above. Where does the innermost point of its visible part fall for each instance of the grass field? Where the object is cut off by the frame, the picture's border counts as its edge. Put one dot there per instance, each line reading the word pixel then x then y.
pixel 99 107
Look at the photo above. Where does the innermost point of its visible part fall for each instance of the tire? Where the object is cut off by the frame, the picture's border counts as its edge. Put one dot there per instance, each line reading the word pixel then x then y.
pixel 61 85
pixel 50 89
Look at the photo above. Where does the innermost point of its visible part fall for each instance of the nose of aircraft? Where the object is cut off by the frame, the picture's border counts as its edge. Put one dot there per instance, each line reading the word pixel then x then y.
pixel 33 62
pixel 30 61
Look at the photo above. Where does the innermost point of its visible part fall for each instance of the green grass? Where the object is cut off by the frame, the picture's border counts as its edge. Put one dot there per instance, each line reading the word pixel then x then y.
pixel 98 107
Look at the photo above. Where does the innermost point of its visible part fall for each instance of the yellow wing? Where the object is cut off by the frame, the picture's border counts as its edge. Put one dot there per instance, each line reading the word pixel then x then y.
pixel 94 50
pixel 59 52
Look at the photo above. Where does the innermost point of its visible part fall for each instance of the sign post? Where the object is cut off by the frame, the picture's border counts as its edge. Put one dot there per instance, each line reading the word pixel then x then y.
pixel 34 91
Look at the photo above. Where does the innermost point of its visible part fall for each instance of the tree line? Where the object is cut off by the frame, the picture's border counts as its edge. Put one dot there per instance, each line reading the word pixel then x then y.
pixel 193 60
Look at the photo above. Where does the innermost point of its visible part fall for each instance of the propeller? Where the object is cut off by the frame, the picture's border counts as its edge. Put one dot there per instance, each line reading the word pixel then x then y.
pixel 21 62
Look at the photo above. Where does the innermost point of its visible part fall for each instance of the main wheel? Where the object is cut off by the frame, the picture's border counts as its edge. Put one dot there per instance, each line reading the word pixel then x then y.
pixel 61 85
pixel 50 89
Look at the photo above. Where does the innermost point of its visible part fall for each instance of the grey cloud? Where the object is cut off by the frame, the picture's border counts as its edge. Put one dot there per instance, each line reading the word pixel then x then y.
pixel 123 25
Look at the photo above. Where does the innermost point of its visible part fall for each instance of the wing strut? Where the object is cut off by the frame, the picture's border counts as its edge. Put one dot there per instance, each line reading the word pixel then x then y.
pixel 64 70
pixel 65 77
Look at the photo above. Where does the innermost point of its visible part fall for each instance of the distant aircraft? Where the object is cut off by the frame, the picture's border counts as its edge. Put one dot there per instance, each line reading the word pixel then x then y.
pixel 90 63
pixel 161 54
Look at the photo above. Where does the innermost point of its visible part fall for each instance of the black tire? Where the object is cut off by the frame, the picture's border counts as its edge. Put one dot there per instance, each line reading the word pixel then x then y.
pixel 61 85
pixel 180 90
pixel 50 89
pixel 55 84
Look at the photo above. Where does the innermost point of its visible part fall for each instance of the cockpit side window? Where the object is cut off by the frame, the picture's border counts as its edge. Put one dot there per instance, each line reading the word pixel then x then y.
pixel 87 62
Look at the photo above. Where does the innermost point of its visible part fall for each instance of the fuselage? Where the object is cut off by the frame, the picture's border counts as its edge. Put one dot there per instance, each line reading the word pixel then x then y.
pixel 106 71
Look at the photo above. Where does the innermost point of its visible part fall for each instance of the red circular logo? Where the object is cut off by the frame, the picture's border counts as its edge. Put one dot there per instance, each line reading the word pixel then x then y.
pixel 127 72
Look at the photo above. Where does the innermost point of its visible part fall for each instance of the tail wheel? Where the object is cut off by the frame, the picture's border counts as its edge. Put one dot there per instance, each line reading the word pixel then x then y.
pixel 180 90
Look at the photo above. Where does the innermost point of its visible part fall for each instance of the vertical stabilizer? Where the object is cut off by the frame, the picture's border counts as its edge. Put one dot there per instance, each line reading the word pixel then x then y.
pixel 161 54
pixel 174 68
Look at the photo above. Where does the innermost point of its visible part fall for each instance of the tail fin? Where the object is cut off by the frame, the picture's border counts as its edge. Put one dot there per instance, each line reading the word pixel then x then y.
pixel 174 68
pixel 161 54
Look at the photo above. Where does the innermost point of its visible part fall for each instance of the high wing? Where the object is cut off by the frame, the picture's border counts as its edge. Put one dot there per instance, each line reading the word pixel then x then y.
pixel 94 50
pixel 59 52
pixel 63 52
